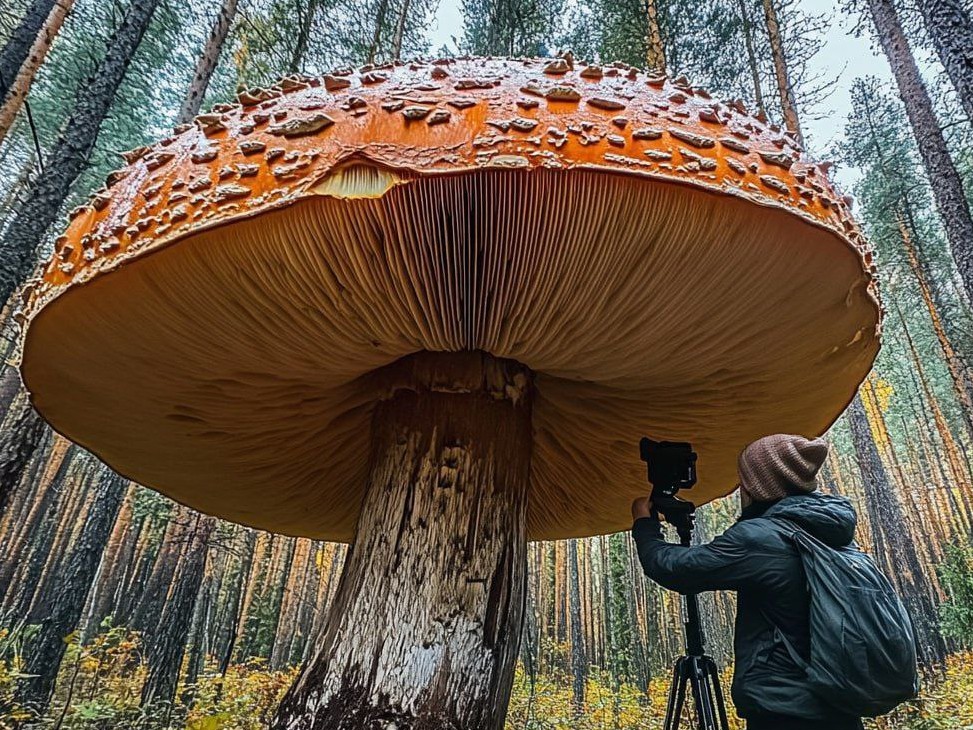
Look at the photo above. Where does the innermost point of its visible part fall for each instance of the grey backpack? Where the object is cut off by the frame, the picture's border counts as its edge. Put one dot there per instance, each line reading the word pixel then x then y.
pixel 863 649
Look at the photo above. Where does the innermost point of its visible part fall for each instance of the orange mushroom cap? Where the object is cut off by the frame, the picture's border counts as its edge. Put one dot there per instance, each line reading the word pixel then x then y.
pixel 212 323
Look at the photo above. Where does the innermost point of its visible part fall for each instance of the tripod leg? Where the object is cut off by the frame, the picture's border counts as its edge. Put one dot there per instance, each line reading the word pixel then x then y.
pixel 720 702
pixel 702 696
pixel 677 694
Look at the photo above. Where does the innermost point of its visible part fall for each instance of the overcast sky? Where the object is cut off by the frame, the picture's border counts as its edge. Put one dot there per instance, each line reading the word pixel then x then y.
pixel 844 58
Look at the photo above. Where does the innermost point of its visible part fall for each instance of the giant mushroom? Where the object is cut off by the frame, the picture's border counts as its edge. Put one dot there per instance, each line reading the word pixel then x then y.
pixel 428 309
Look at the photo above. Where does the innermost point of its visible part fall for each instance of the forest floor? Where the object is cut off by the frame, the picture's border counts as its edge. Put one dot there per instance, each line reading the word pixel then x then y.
pixel 99 689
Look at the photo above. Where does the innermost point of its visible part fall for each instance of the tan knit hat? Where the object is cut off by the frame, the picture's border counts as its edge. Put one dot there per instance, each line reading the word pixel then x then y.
pixel 776 466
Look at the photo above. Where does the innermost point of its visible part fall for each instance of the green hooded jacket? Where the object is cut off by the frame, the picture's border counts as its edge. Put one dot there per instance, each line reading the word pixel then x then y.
pixel 756 558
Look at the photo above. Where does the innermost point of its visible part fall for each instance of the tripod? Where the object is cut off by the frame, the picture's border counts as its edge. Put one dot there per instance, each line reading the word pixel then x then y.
pixel 695 669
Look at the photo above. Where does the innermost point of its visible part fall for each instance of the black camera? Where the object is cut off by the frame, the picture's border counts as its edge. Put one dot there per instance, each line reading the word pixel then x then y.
pixel 672 467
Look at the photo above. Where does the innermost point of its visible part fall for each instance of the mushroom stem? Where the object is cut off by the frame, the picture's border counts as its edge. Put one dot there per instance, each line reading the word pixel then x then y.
pixel 425 626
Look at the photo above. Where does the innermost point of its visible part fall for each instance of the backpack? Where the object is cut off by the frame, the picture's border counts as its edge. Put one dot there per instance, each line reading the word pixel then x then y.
pixel 863 648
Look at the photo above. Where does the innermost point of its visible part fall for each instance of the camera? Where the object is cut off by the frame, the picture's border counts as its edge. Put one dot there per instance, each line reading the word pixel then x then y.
pixel 672 467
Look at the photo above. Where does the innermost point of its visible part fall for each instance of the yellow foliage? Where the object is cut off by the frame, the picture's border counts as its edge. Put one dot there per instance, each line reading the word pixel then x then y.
pixel 111 672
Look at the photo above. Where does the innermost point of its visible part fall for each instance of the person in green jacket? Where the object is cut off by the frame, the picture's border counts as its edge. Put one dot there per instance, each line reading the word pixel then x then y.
pixel 756 558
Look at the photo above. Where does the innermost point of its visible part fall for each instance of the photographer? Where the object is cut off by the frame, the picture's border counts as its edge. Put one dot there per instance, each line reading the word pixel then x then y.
pixel 755 558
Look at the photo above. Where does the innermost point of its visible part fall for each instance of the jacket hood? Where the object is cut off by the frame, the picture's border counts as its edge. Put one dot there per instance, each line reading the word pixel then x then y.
pixel 828 517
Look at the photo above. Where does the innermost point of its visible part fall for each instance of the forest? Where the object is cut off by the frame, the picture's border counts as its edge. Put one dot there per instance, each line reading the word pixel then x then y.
pixel 121 608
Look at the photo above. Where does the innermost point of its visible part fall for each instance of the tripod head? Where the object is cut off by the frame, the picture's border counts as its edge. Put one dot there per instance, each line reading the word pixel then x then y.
pixel 671 468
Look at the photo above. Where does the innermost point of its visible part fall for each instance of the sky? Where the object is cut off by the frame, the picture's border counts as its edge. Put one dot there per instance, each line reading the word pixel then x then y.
pixel 843 58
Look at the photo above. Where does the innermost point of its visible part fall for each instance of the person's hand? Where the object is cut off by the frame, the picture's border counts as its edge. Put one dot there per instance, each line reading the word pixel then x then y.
pixel 641 507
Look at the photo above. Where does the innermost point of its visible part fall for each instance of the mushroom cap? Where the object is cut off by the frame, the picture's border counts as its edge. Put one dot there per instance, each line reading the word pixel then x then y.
pixel 215 322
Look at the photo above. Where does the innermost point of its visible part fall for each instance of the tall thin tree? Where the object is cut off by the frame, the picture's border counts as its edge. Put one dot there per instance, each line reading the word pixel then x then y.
pixel 950 29
pixel 17 48
pixel 72 150
pixel 892 538
pixel 14 90
pixel 206 63
pixel 45 649
pixel 947 186
pixel 785 89
pixel 655 59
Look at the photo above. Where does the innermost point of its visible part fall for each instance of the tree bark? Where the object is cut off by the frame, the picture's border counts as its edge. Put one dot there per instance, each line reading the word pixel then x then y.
pixel 115 564
pixel 168 638
pixel 15 94
pixel 788 102
pixel 303 36
pixel 15 52
pixel 947 187
pixel 892 539
pixel 951 32
pixel 43 652
pixel 72 150
pixel 238 612
pixel 151 603
pixel 19 440
pixel 955 364
pixel 424 630
pixel 579 664
pixel 383 8
pixel 655 50
pixel 747 27
pixel 400 29
pixel 207 61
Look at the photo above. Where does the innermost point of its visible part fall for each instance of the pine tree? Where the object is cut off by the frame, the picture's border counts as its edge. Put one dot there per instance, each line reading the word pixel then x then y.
pixel 950 29
pixel 207 61
pixel 46 647
pixel 72 150
pixel 893 540
pixel 785 89
pixel 17 49
pixel 168 637
pixel 579 662
pixel 13 93
pixel 944 179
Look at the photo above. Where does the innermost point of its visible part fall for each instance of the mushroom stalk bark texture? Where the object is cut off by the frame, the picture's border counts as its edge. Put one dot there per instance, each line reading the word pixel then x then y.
pixel 425 628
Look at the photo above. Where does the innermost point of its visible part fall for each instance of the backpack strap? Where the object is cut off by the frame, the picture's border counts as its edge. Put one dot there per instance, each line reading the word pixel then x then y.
pixel 795 656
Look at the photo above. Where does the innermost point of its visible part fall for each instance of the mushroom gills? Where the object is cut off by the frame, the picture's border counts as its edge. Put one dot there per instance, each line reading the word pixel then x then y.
pixel 357 181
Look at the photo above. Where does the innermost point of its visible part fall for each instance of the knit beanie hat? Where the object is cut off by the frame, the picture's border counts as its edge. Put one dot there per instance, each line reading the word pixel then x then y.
pixel 776 466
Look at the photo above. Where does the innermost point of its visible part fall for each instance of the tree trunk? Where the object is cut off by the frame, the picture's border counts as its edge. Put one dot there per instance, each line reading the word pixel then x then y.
pixel 951 32
pixel 199 632
pixel 788 102
pixel 17 49
pixel 303 36
pixel 955 365
pixel 168 638
pixel 13 97
pixel 207 61
pixel 655 50
pixel 383 8
pixel 19 440
pixel 892 541
pixel 44 650
pixel 747 27
pixel 237 613
pixel 579 664
pixel 72 150
pixel 153 599
pixel 115 564
pixel 400 29
pixel 34 547
pixel 947 187
pixel 424 630
pixel 16 535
